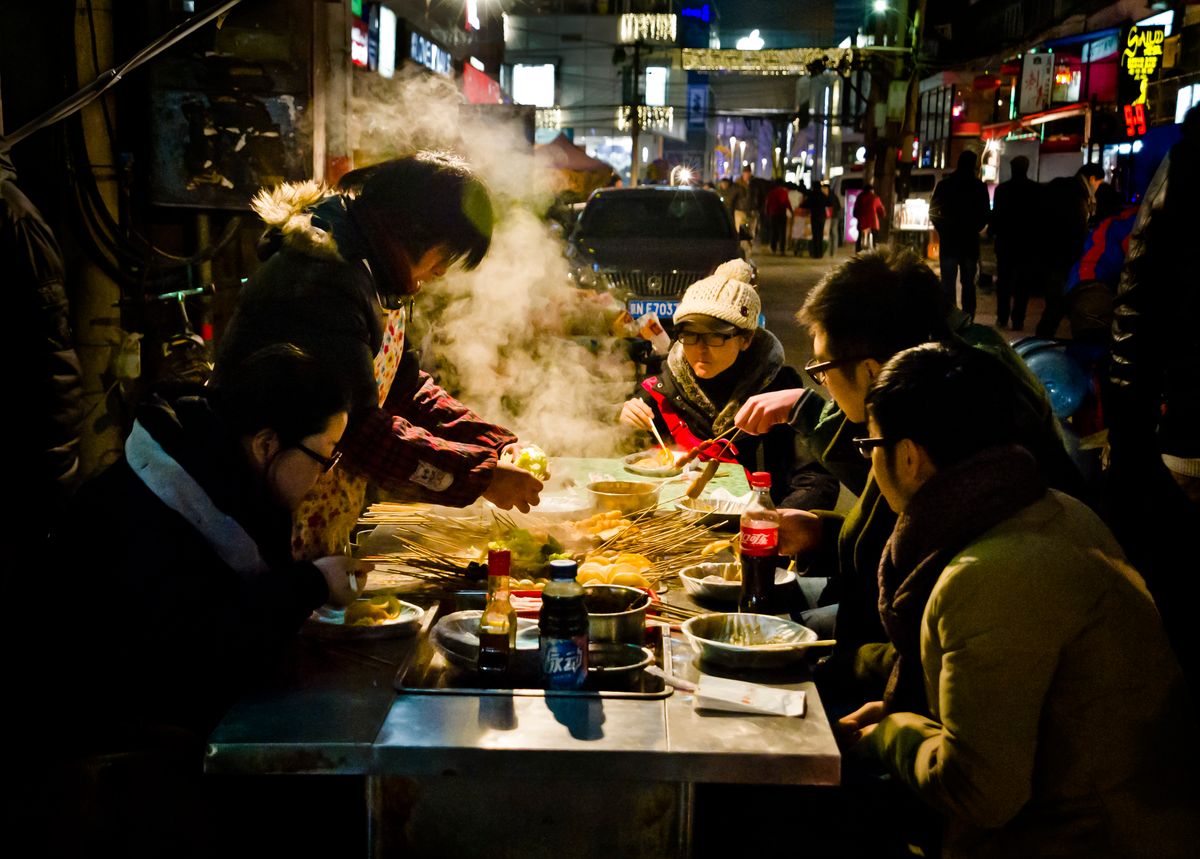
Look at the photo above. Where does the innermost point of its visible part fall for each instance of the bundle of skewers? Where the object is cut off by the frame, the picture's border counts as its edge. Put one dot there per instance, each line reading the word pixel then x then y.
pixel 424 544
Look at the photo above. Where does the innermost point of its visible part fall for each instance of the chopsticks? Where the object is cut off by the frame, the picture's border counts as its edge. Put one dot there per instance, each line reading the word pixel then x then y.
pixel 662 444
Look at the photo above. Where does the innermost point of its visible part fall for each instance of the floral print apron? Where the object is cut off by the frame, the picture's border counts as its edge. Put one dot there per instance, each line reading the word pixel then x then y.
pixel 322 523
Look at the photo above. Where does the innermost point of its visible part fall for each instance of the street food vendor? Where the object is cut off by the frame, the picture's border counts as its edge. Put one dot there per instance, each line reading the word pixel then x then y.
pixel 339 269
pixel 720 358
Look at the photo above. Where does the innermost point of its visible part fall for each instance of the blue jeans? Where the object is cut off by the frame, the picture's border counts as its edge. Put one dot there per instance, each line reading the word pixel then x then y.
pixel 951 266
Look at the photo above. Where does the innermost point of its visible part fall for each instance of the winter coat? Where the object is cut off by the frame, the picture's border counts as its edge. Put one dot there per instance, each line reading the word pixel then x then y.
pixel 777 201
pixel 320 289
pixel 182 559
pixel 959 210
pixel 49 387
pixel 1154 377
pixel 868 211
pixel 685 413
pixel 1067 207
pixel 1016 217
pixel 1050 734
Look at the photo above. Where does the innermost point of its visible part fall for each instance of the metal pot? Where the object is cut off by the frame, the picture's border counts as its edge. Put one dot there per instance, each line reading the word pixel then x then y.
pixel 616 613
pixel 627 496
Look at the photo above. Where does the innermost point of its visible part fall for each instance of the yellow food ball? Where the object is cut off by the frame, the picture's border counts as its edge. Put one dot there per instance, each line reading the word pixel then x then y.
pixel 632 580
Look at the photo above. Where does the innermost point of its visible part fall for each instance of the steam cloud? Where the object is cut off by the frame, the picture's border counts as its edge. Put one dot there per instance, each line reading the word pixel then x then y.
pixel 497 337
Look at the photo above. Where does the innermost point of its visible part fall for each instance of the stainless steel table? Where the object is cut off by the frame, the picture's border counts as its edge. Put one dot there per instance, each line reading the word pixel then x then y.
pixel 334 711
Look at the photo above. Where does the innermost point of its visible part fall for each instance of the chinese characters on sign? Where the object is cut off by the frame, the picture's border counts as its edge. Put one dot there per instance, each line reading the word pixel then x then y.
pixel 1037 78
pixel 647 28
pixel 1140 62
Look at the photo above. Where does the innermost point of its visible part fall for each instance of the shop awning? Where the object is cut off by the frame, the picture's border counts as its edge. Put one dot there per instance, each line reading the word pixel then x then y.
pixel 1003 129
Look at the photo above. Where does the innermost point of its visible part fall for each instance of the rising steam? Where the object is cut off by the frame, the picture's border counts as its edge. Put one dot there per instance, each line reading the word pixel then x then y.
pixel 499 337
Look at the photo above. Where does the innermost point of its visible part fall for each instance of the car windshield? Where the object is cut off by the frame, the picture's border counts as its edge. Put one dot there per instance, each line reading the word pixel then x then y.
pixel 675 215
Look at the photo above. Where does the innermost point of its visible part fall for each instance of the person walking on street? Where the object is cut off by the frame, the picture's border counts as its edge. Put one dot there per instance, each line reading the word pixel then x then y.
pixel 747 204
pixel 959 210
pixel 869 213
pixel 835 218
pixel 1069 204
pixel 817 202
pixel 777 214
pixel 1014 226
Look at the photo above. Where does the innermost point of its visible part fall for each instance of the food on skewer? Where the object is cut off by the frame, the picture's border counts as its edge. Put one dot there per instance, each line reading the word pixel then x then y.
pixel 531 458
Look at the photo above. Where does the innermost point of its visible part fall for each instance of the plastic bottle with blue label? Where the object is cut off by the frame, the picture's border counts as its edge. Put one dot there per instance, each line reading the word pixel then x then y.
pixel 563 629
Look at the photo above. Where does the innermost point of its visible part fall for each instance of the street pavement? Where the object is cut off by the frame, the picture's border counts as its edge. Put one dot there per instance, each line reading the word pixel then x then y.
pixel 785 280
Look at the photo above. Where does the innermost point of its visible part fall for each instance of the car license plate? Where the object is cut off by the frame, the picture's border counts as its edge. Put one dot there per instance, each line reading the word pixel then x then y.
pixel 661 309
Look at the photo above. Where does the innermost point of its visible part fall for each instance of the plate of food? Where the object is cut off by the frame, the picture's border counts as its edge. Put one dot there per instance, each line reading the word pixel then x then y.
pixel 658 462
pixel 456 637
pixel 375 616
pixel 722 582
pixel 723 513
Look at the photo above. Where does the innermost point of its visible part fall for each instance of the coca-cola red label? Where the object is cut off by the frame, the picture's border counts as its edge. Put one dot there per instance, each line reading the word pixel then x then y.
pixel 759 542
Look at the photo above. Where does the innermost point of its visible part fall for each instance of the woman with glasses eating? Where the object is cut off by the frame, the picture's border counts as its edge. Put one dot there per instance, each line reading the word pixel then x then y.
pixel 720 358
pixel 187 547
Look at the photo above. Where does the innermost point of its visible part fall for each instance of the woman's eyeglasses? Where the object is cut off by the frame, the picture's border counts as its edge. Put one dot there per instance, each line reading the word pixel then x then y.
pixel 326 462
pixel 818 369
pixel 710 339
pixel 866 445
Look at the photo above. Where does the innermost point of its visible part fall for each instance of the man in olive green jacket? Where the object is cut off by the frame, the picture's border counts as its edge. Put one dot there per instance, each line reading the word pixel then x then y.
pixel 1036 703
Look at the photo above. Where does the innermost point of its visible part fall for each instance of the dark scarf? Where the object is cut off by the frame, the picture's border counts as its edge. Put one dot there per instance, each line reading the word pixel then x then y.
pixel 750 374
pixel 952 508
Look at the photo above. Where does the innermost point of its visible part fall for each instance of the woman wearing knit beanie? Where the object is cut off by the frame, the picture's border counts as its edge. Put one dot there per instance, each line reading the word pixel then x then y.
pixel 720 358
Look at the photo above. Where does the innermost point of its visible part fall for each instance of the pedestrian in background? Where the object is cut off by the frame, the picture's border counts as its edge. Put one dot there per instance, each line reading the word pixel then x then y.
pixel 959 211
pixel 1015 226
pixel 1069 203
pixel 817 203
pixel 869 214
pixel 777 208
pixel 835 218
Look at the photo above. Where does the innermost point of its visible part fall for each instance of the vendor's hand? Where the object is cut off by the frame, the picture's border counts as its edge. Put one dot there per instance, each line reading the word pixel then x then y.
pixel 637 413
pixel 344 576
pixel 763 411
pixel 513 487
pixel 861 723
pixel 799 532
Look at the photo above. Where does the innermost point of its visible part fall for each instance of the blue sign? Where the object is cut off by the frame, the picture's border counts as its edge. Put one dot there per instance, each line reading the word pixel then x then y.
pixel 704 13
pixel 429 54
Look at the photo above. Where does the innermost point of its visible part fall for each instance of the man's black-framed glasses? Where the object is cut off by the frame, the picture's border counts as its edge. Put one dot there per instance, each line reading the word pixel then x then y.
pixel 711 339
pixel 817 369
pixel 326 462
pixel 868 444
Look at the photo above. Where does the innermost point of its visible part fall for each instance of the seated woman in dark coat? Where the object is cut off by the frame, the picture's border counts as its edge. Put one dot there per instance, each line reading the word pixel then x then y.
pixel 182 550
pixel 720 359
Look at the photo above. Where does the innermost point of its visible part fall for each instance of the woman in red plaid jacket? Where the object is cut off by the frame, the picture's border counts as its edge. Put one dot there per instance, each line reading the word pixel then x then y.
pixel 335 262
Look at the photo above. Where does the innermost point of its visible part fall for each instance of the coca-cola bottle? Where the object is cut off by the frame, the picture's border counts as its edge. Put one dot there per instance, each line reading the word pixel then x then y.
pixel 760 543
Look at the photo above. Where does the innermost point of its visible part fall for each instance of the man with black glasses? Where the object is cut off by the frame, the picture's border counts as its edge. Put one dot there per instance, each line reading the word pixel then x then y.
pixel 862 314
pixel 1017 708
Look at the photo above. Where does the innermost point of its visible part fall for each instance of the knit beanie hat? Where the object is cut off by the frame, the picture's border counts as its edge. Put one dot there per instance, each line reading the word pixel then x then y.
pixel 727 294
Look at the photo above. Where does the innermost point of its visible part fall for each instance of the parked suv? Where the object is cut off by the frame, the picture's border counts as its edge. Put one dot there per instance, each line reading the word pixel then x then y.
pixel 648 244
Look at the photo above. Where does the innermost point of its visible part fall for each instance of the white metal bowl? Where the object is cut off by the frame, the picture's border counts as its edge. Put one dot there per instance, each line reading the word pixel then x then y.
pixel 708 581
pixel 747 640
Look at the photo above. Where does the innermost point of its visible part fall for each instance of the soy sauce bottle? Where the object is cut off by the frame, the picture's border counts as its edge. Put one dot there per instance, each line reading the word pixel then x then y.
pixel 498 624
pixel 563 626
